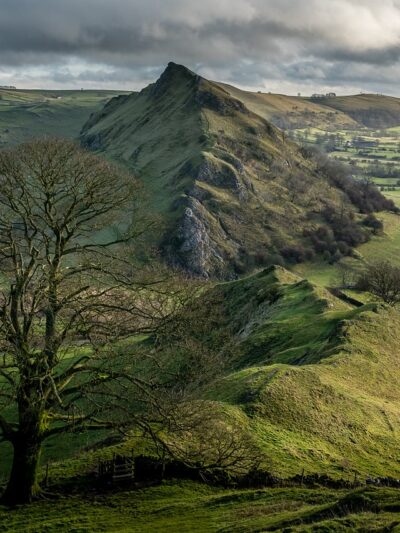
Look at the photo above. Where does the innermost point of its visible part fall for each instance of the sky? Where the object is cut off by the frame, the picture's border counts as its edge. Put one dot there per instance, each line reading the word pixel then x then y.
pixel 284 46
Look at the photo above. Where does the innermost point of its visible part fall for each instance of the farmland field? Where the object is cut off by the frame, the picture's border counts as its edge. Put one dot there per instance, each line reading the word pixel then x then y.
pixel 371 153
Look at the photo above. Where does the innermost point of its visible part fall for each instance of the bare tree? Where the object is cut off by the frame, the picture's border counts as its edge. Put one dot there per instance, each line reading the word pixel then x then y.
pixel 346 276
pixel 68 224
pixel 211 441
pixel 383 280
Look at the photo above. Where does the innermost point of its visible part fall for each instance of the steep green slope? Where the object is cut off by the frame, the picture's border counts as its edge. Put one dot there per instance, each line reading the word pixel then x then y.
pixel 25 114
pixel 317 379
pixel 233 192
pixel 155 132
pixel 314 380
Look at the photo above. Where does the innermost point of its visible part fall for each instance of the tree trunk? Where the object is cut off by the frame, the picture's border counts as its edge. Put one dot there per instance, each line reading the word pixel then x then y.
pixel 23 485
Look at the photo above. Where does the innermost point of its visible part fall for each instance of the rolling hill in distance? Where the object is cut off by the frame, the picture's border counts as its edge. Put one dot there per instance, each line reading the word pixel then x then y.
pixel 291 112
pixel 25 114
pixel 370 110
pixel 330 112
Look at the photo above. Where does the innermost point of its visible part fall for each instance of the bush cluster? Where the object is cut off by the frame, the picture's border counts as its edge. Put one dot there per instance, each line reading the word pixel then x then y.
pixel 362 193
pixel 297 254
pixel 339 237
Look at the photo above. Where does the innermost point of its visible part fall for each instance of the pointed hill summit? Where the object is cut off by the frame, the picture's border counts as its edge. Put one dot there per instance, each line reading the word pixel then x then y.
pixel 232 191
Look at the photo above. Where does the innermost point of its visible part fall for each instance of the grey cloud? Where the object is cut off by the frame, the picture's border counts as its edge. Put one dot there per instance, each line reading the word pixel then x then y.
pixel 242 41
pixel 384 56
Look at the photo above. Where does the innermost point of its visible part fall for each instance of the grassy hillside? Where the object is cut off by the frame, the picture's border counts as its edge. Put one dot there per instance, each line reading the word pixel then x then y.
pixel 232 191
pixel 316 377
pixel 25 114
pixel 313 379
pixel 154 132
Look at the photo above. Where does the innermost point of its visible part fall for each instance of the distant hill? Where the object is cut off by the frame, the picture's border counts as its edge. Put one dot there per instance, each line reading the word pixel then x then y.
pixel 25 114
pixel 327 113
pixel 370 110
pixel 232 190
pixel 292 112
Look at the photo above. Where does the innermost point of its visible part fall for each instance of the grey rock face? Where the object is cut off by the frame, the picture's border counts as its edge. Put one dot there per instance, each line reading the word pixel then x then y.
pixel 195 249
pixel 223 176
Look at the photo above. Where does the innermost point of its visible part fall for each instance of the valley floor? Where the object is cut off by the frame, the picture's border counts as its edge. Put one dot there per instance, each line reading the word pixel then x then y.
pixel 190 507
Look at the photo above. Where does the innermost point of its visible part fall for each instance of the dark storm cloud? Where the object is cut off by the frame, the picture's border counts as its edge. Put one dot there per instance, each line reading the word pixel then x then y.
pixel 252 42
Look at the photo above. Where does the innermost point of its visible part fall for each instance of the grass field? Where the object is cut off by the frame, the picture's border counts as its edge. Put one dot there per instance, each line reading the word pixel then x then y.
pixel 187 507
pixel 75 503
pixel 394 195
